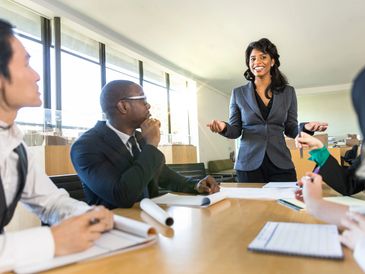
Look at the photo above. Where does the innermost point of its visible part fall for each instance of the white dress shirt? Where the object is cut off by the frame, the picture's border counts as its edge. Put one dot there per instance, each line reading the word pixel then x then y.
pixel 124 137
pixel 40 196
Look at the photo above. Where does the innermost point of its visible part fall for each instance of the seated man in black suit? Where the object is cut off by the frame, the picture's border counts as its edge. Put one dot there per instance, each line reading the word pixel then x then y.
pixel 119 165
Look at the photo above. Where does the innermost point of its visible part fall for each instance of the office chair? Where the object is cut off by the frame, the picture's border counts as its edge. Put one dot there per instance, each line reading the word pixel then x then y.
pixel 71 183
pixel 350 155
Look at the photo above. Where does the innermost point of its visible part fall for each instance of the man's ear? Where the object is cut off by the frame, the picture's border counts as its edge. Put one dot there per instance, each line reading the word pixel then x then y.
pixel 122 107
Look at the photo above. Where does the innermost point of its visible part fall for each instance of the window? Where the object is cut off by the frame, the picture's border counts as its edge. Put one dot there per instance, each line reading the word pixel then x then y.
pixel 120 66
pixel 154 86
pixel 80 79
pixel 179 112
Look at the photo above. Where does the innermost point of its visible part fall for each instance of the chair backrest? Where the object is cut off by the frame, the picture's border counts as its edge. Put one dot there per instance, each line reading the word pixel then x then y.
pixel 351 154
pixel 71 183
pixel 194 170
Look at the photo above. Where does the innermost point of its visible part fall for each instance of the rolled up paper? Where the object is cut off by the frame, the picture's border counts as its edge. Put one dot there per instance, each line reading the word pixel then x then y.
pixel 156 212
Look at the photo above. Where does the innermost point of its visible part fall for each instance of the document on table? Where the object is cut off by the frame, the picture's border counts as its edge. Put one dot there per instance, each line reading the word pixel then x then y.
pixel 258 193
pixel 281 185
pixel 127 233
pixel 189 200
pixel 354 204
pixel 313 240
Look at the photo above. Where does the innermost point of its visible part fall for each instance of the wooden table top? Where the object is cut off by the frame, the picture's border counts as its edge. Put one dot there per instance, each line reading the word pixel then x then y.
pixel 213 240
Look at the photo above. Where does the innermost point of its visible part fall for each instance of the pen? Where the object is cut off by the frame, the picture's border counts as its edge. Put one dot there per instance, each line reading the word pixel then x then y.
pixel 301 149
pixel 93 221
pixel 289 204
pixel 316 170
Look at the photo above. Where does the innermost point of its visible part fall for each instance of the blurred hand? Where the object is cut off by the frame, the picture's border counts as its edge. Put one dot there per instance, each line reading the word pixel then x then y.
pixel 151 131
pixel 316 126
pixel 207 185
pixel 355 229
pixel 216 126
pixel 307 141
pixel 78 233
pixel 312 188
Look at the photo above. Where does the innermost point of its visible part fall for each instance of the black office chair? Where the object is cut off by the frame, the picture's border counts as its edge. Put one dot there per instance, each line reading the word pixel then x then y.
pixel 350 155
pixel 194 170
pixel 71 183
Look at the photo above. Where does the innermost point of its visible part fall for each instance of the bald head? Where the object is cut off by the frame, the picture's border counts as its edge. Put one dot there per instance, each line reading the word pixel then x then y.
pixel 112 93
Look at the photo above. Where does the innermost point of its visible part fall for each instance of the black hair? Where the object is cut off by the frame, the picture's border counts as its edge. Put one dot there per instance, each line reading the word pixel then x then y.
pixel 278 79
pixel 6 52
pixel 111 94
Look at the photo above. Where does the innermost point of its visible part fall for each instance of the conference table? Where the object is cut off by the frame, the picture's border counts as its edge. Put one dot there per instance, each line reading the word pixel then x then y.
pixel 214 240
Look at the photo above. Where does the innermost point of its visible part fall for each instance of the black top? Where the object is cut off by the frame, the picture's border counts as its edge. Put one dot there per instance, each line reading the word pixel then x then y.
pixel 265 110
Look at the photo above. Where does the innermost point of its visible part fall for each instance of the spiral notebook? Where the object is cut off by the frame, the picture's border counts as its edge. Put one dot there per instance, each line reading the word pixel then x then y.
pixel 311 240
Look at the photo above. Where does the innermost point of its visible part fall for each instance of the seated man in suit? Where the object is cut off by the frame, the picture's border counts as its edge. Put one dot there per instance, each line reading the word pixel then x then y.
pixel 119 165
pixel 21 179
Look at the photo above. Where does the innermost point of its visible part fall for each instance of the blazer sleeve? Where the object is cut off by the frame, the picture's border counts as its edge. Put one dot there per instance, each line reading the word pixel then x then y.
pixel 342 180
pixel 120 183
pixel 291 123
pixel 233 128
pixel 171 180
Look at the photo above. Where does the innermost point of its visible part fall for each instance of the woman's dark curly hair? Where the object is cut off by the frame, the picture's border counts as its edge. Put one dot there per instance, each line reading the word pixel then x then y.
pixel 278 79
pixel 6 32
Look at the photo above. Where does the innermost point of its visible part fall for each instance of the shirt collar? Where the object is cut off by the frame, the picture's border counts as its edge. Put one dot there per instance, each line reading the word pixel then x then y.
pixel 124 137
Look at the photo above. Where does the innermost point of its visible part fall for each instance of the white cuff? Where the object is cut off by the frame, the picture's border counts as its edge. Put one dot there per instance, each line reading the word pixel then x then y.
pixel 359 254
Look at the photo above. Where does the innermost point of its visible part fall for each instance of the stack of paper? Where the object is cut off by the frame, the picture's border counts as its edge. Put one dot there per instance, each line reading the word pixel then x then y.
pixel 127 233
pixel 313 240
pixel 258 193
pixel 188 200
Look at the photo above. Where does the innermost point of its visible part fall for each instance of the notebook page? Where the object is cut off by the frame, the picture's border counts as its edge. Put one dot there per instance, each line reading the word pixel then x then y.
pixel 299 239
pixel 258 193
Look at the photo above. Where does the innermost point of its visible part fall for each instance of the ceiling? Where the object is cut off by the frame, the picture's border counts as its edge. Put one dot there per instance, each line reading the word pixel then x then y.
pixel 321 42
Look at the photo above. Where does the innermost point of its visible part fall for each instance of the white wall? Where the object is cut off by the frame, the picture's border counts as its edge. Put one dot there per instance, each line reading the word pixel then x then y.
pixel 332 107
pixel 212 104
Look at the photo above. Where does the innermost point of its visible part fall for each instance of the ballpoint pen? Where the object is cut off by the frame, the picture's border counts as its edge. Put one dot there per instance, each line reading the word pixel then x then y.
pixel 301 148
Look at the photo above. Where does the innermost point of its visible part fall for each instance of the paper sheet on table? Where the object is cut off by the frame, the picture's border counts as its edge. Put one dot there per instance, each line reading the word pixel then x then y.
pixel 281 185
pixel 189 200
pixel 258 193
pixel 156 212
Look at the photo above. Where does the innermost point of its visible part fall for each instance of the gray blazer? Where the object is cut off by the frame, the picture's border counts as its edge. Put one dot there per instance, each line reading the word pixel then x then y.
pixel 257 135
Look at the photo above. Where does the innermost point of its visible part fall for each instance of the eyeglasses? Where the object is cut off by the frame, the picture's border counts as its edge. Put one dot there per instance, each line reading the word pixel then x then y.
pixel 139 97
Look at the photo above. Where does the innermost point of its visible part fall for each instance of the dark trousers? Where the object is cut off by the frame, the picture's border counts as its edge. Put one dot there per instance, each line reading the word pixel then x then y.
pixel 267 172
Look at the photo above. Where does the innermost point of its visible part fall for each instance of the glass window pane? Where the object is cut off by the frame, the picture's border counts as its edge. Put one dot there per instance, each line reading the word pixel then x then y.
pixel 80 91
pixel 154 75
pixel 121 66
pixel 79 44
pixel 157 98
pixel 25 21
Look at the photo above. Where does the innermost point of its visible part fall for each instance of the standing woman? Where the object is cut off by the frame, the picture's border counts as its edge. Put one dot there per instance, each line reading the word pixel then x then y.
pixel 261 112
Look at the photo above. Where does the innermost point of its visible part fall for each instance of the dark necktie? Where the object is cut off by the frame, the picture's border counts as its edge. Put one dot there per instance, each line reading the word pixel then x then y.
pixel 6 212
pixel 136 152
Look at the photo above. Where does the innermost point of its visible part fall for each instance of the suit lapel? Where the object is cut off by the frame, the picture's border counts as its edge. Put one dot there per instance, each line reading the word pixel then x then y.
pixel 113 140
pixel 276 103
pixel 251 99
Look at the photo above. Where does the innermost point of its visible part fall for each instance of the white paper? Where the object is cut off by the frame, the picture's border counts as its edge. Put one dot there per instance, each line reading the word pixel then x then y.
pixel 188 200
pixel 156 212
pixel 281 185
pixel 315 240
pixel 258 193
pixel 111 241
pixel 133 226
pixel 356 205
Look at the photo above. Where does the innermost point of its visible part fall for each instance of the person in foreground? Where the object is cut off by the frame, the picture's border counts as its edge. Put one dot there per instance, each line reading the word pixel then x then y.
pixel 353 223
pixel 343 180
pixel 21 179
pixel 261 112
pixel 119 165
